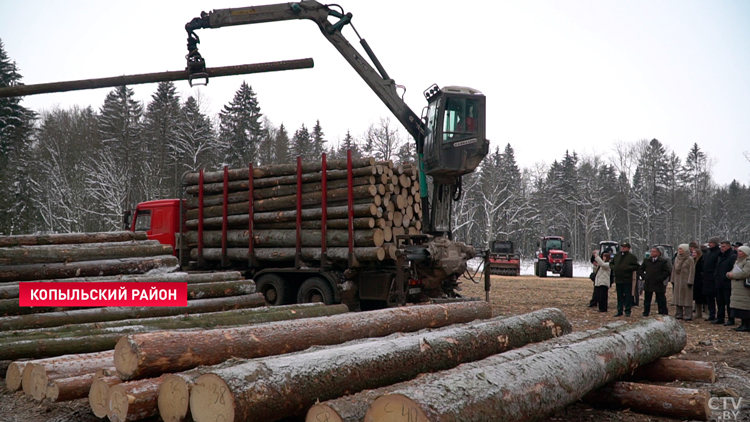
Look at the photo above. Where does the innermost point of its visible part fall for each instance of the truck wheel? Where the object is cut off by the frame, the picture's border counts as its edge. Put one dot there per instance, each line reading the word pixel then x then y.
pixel 316 289
pixel 567 270
pixel 275 289
pixel 541 269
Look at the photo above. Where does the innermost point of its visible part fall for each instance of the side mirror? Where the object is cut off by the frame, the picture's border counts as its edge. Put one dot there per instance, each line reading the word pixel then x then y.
pixel 127 219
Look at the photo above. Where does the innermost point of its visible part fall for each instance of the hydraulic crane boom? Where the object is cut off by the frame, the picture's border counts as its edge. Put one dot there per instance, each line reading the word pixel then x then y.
pixel 450 141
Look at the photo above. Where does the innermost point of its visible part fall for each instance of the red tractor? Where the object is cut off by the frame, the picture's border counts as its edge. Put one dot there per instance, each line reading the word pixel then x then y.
pixel 552 257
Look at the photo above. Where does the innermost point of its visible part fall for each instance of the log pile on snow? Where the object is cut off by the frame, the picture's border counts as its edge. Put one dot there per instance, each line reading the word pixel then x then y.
pixel 386 203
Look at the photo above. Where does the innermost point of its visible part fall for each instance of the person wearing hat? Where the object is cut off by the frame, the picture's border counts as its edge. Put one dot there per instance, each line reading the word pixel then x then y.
pixel 736 245
pixel 683 276
pixel 711 258
pixel 727 257
pixel 655 273
pixel 698 296
pixel 740 276
pixel 623 266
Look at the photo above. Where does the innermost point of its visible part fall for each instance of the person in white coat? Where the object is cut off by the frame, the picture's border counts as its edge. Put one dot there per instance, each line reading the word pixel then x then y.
pixel 603 279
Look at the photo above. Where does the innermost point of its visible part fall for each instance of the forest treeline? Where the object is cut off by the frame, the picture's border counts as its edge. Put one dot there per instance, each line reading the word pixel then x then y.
pixel 72 169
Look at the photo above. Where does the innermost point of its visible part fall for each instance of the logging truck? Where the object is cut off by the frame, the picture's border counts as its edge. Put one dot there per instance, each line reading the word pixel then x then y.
pixel 317 254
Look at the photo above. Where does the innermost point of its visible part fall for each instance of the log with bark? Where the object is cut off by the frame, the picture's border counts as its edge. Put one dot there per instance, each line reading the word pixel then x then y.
pixel 132 401
pixel 281 386
pixel 82 252
pixel 71 388
pixel 285 202
pixel 143 355
pixel 668 370
pixel 676 403
pixel 220 289
pixel 287 254
pixel 55 319
pixel 266 182
pixel 284 190
pixel 288 238
pixel 360 223
pixel 67 238
pixel 273 170
pixel 352 408
pixel 194 320
pixel 533 387
pixel 242 220
pixel 30 272
pixel 10 290
pixel 12 307
pixel 37 373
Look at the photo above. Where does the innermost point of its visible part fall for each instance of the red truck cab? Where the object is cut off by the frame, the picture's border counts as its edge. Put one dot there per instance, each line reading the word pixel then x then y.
pixel 160 219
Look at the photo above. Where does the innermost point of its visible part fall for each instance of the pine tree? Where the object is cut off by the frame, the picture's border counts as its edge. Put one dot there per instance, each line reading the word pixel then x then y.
pixel 348 143
pixel 240 129
pixel 318 140
pixel 161 123
pixel 302 143
pixel 196 145
pixel 16 149
pixel 281 146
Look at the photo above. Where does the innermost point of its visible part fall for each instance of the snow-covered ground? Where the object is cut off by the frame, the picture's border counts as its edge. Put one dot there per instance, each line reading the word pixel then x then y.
pixel 580 268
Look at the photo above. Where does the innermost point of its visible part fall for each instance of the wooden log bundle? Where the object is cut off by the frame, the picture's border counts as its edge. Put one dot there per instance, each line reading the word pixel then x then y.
pixel 532 387
pixel 386 203
pixel 282 386
pixel 144 355
pixel 678 403
pixel 37 373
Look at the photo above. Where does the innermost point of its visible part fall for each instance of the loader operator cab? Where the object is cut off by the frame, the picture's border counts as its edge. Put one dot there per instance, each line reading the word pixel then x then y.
pixel 455 141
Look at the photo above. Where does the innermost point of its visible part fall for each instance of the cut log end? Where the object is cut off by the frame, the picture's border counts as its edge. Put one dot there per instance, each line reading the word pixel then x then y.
pixel 39 382
pixel 126 359
pixel 173 399
pixel 395 408
pixel 210 400
pixel 13 376
pixel 118 401
pixel 98 396
pixel 322 412
pixel 52 392
pixel 26 380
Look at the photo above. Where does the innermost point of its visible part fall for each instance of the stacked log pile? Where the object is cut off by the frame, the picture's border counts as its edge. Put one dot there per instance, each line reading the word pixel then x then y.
pixel 55 256
pixel 385 204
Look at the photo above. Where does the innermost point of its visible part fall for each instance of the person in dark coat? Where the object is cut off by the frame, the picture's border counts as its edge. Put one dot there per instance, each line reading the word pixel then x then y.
pixel 726 261
pixel 711 258
pixel 698 296
pixel 655 272
pixel 623 267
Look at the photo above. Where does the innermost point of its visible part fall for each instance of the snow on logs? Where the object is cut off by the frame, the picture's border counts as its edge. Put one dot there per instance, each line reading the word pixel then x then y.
pixel 386 204
pixel 281 386
pixel 151 354
pixel 534 386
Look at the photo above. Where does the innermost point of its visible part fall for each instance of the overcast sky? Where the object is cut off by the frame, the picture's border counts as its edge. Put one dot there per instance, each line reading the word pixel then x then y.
pixel 577 75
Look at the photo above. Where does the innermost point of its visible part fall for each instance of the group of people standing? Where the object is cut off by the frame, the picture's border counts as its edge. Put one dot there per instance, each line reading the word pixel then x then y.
pixel 716 276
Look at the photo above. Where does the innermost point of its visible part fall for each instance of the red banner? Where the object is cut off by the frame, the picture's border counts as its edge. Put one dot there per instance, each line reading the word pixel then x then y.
pixel 82 294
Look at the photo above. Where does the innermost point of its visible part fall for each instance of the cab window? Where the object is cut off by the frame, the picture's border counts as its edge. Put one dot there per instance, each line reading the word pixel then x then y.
pixel 143 221
pixel 460 118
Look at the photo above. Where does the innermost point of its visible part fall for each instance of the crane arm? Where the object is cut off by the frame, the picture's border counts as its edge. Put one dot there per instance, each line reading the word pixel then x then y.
pixel 375 77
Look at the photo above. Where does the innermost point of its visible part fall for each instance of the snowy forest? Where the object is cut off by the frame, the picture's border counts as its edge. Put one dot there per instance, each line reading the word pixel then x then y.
pixel 74 169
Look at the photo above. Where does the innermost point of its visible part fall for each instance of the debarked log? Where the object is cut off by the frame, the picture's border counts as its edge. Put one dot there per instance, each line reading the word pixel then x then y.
pixel 533 387
pixel 272 170
pixel 677 403
pixel 288 238
pixel 283 386
pixel 67 238
pixel 285 202
pixel 242 220
pixel 30 272
pixel 82 252
pixel 288 254
pixel 143 355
